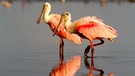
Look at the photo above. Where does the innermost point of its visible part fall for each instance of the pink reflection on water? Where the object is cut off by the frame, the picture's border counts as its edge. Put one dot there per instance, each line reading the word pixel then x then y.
pixel 92 68
pixel 67 68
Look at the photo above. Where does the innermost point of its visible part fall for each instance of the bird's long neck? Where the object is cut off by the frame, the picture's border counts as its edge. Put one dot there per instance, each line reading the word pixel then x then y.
pixel 68 22
pixel 47 16
pixel 69 26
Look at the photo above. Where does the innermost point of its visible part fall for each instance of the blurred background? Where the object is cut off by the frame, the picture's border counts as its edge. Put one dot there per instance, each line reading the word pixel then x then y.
pixel 29 49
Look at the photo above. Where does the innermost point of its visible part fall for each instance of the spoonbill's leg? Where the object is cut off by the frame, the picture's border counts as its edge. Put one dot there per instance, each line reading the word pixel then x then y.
pixel 92 50
pixel 61 50
pixel 87 49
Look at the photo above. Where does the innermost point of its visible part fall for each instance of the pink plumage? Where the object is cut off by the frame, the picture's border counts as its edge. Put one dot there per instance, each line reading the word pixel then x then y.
pixel 61 31
pixel 53 20
pixel 93 28
pixel 88 27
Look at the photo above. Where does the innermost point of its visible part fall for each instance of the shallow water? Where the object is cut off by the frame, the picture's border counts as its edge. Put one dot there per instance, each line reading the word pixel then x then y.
pixel 28 49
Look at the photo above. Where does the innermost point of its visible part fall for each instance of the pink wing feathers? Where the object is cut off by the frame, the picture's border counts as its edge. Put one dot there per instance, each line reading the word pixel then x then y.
pixel 92 28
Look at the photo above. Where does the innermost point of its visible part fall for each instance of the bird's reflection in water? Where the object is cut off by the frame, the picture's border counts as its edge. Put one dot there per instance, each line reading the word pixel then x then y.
pixel 92 68
pixel 67 68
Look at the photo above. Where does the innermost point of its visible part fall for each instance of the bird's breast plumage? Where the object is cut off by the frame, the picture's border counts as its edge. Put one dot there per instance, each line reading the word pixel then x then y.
pixel 61 31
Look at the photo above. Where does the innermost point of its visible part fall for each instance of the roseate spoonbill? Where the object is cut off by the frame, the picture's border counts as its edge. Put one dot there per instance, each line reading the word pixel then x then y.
pixel 52 20
pixel 88 27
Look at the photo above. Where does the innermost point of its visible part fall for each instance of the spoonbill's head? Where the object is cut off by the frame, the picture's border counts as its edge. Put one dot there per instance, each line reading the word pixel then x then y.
pixel 64 17
pixel 46 9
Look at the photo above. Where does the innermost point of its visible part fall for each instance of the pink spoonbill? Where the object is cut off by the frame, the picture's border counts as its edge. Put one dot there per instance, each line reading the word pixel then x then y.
pixel 88 27
pixel 53 20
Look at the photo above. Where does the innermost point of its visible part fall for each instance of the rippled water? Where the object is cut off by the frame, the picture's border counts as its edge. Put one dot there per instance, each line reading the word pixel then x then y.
pixel 28 49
